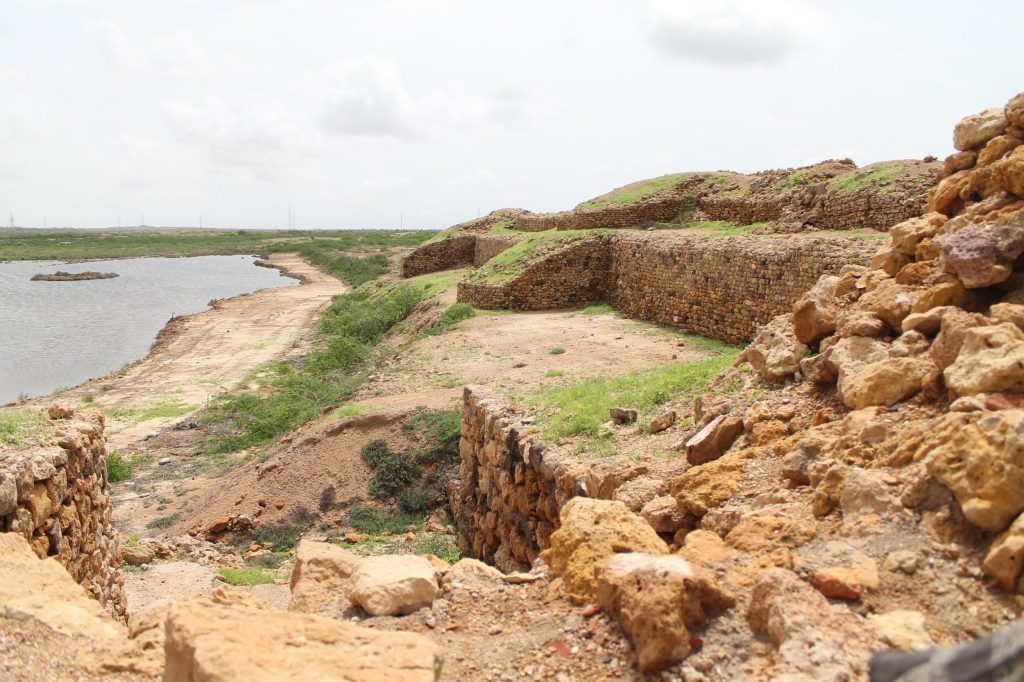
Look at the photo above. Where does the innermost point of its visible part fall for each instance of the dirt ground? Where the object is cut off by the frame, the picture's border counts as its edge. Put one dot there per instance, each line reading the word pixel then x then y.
pixel 204 354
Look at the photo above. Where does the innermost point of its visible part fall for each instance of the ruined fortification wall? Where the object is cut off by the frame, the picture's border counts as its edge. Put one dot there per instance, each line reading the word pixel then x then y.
pixel 455 252
pixel 720 288
pixel 743 209
pixel 660 209
pixel 871 210
pixel 506 501
pixel 571 277
pixel 57 497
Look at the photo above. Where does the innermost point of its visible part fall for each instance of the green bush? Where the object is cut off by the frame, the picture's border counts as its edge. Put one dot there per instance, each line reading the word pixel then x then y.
pixel 375 452
pixel 374 520
pixel 282 536
pixel 118 468
pixel 416 501
pixel 557 351
pixel 441 429
pixel 455 313
pixel 394 473
pixel 164 521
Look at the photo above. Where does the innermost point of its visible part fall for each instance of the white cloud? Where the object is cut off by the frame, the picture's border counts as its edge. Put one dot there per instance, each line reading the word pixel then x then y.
pixel 734 32
pixel 178 56
pixel 256 137
pixel 367 97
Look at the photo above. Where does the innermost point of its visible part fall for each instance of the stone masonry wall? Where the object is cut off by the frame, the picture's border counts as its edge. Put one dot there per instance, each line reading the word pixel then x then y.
pixel 455 252
pixel 570 277
pixel 447 254
pixel 658 209
pixel 57 496
pixel 509 493
pixel 720 288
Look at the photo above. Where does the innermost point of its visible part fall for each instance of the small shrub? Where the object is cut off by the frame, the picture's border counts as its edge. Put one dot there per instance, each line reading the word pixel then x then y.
pixel 415 501
pixel 118 468
pixel 374 520
pixel 455 313
pixel 393 474
pixel 327 496
pixel 245 576
pixel 271 560
pixel 375 452
pixel 282 536
pixel 88 398
pixel 554 373
pixel 557 351
pixel 164 521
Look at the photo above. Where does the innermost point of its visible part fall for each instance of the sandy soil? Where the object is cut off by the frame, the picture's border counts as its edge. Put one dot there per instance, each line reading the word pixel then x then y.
pixel 204 354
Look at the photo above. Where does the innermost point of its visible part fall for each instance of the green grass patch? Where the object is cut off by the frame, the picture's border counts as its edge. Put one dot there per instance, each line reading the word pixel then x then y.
pixel 438 282
pixel 554 373
pixel 878 176
pixel 164 410
pixel 238 577
pixel 535 245
pixel 453 314
pixel 376 520
pixel 581 409
pixel 599 309
pixel 23 428
pixel 645 189
pixel 118 468
pixel 557 351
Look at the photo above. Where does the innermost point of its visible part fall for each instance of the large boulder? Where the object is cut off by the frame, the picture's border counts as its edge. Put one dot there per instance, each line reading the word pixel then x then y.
pixel 714 440
pixel 775 351
pixel 230 636
pixel 980 458
pixel 886 382
pixel 977 129
pixel 655 599
pixel 703 488
pixel 814 314
pixel 1008 174
pixel 320 578
pixel 981 256
pixel 393 585
pixel 593 530
pixel 991 359
pixel 906 236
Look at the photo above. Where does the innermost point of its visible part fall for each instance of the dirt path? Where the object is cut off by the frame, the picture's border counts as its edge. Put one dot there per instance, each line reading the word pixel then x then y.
pixel 209 352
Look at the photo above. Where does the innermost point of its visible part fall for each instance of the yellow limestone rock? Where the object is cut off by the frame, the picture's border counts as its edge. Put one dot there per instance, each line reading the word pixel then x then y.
pixel 592 530
pixel 231 636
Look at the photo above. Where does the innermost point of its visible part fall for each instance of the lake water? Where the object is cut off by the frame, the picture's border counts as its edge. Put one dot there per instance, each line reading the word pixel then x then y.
pixel 59 334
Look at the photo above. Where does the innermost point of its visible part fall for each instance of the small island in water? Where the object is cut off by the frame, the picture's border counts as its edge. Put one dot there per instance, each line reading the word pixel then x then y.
pixel 61 276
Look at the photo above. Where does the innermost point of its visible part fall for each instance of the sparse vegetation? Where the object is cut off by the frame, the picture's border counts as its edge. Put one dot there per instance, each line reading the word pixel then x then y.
pixel 534 245
pixel 238 577
pixel 295 393
pixel 878 177
pixel 376 520
pixel 554 373
pixel 281 536
pixel 453 314
pixel 581 409
pixel 556 351
pixel 118 468
pixel 164 521
pixel 22 428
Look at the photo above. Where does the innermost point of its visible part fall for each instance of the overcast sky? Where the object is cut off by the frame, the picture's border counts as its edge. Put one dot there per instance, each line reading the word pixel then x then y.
pixel 359 114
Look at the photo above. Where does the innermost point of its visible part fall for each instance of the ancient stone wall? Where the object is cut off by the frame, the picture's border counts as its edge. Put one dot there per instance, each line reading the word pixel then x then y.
pixel 839 210
pixel 489 246
pixel 455 252
pixel 657 209
pixel 743 209
pixel 720 288
pixel 57 497
pixel 506 501
pixel 572 276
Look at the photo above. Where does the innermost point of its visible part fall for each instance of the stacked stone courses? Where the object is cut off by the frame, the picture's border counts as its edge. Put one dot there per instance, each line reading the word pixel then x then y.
pixel 721 288
pixel 58 497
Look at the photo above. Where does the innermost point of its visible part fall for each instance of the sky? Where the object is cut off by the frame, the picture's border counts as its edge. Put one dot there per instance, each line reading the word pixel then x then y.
pixel 425 113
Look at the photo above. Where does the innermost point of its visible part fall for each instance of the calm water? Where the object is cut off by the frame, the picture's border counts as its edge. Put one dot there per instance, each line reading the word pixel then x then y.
pixel 58 334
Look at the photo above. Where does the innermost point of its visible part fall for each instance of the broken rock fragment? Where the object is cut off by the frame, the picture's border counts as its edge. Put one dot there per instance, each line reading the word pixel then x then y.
pixel 655 599
pixel 392 585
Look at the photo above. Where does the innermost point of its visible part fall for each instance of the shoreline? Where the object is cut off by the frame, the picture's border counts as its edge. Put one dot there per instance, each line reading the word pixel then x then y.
pixel 174 328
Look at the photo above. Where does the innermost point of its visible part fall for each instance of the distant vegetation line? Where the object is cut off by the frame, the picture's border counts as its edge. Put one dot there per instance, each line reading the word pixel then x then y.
pixel 366 256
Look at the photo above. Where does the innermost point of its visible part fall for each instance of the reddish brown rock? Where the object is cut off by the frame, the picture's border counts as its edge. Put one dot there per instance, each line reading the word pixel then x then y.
pixel 837 583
